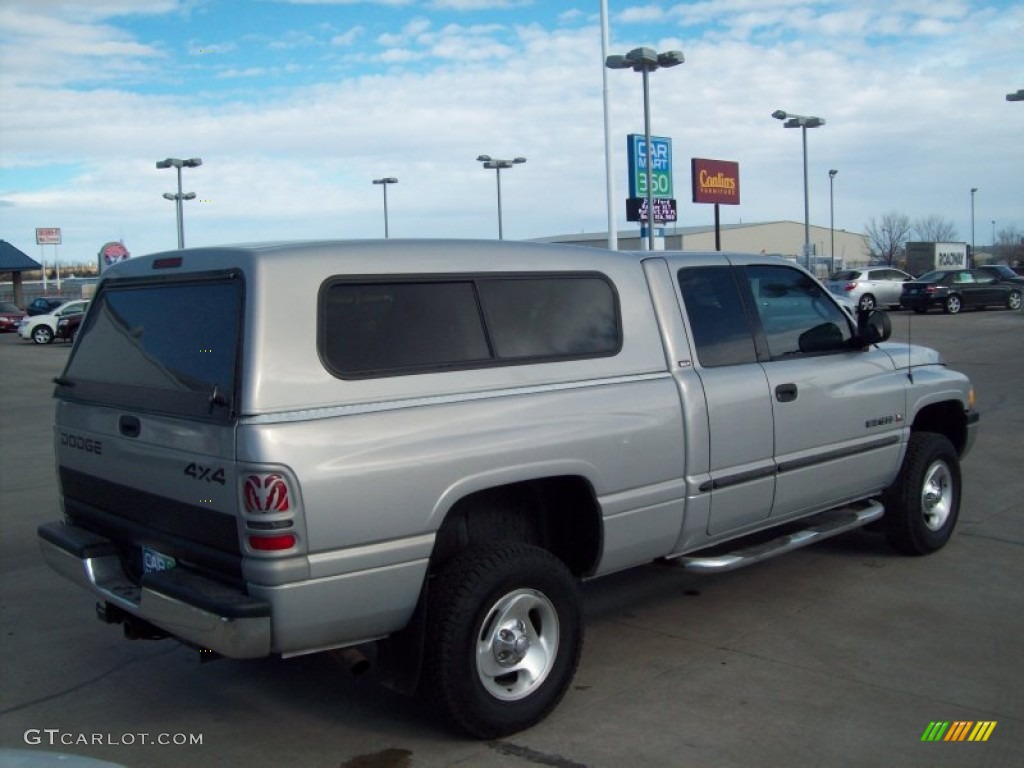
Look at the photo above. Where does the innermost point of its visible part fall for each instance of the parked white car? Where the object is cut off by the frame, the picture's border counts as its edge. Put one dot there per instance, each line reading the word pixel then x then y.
pixel 43 328
pixel 869 287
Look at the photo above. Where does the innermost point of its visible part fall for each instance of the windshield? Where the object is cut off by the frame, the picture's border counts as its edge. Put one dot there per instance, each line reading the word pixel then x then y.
pixel 846 274
pixel 168 347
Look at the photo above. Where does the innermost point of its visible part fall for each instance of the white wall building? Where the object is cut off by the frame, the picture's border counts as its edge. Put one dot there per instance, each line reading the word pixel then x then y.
pixel 782 238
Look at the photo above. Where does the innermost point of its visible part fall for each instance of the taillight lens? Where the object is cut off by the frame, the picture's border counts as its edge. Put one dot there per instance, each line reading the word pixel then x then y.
pixel 266 493
pixel 849 286
pixel 272 543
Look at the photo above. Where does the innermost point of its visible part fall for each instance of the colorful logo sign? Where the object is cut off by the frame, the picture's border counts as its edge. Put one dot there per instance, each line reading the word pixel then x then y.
pixel 715 181
pixel 958 730
pixel 111 253
pixel 661 165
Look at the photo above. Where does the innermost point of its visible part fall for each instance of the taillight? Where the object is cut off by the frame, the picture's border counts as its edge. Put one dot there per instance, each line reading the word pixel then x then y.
pixel 269 503
pixel 266 493
pixel 272 543
pixel 849 286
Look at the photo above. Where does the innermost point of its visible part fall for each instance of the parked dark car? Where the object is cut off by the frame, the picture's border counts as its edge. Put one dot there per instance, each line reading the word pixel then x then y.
pixel 67 327
pixel 44 305
pixel 956 289
pixel 10 316
pixel 1003 272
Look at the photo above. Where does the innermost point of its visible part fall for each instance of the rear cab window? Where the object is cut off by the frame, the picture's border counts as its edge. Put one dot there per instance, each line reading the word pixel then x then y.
pixel 372 327
pixel 164 346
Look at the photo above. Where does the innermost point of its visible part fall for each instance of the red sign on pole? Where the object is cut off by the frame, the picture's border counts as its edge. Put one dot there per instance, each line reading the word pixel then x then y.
pixel 715 181
pixel 47 235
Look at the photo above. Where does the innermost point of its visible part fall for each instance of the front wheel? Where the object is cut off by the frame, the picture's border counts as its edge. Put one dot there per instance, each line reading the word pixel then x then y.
pixel 922 506
pixel 504 637
pixel 952 305
pixel 42 334
pixel 1013 300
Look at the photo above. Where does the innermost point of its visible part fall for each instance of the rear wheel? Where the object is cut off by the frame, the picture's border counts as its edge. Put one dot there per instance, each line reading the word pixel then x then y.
pixel 1013 300
pixel 42 334
pixel 952 305
pixel 504 637
pixel 922 506
pixel 867 302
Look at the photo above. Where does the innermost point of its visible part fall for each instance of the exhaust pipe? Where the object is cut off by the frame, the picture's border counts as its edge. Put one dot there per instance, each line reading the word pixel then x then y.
pixel 353 659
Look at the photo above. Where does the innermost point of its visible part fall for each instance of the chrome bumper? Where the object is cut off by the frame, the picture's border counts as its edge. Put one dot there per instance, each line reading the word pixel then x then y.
pixel 190 607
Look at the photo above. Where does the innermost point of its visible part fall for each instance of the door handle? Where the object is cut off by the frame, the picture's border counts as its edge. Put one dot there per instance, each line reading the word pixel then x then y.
pixel 785 393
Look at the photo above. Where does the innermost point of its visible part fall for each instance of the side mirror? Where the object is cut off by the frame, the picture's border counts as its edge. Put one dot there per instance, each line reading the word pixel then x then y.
pixel 873 327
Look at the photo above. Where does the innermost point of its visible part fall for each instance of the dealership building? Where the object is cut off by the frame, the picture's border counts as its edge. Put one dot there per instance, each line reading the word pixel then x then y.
pixel 780 238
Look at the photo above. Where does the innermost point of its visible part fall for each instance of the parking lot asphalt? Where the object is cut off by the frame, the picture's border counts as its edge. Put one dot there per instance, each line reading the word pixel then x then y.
pixel 840 654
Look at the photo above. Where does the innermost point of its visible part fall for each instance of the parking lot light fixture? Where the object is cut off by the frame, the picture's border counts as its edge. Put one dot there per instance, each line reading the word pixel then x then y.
pixel 496 164
pixel 384 184
pixel 803 122
pixel 173 162
pixel 1018 96
pixel 645 61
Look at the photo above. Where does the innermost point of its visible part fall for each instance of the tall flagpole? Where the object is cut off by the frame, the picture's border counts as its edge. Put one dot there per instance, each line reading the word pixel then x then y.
pixel 613 235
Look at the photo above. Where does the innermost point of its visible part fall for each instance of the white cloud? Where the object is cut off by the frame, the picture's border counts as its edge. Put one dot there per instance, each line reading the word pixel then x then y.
pixel 285 158
pixel 349 37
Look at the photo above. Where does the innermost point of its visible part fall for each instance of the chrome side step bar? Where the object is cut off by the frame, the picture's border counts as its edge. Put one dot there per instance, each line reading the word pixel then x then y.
pixel 821 527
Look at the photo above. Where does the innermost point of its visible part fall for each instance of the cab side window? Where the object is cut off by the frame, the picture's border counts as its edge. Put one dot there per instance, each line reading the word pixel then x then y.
pixel 796 315
pixel 721 330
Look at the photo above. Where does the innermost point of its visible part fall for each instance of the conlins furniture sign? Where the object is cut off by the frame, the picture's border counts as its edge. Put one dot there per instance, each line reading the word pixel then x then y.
pixel 715 181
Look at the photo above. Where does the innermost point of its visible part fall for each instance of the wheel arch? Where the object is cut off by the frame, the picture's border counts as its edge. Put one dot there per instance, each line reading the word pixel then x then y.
pixel 945 418
pixel 557 512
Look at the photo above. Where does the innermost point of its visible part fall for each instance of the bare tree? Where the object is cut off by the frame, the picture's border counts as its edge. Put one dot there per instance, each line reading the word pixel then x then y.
pixel 935 229
pixel 1009 246
pixel 886 238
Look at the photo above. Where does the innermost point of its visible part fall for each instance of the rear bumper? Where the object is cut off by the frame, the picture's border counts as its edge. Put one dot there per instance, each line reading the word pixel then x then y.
pixel 195 609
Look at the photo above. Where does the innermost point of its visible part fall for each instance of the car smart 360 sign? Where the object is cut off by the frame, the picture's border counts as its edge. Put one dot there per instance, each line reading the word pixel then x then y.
pixel 661 165
pixel 661 178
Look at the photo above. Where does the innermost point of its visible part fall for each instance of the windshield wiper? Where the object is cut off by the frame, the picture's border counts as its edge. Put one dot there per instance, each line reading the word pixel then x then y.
pixel 60 381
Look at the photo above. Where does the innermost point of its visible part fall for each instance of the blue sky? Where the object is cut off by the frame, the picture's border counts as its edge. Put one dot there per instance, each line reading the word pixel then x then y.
pixel 295 106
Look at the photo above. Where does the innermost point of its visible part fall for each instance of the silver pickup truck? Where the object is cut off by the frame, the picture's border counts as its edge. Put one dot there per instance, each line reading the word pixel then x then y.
pixel 422 447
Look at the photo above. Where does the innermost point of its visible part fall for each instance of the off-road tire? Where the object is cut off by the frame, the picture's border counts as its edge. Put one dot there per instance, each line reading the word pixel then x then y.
pixel 922 506
pixel 481 589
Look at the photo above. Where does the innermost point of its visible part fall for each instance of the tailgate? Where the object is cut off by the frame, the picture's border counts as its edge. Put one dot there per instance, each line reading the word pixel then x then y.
pixel 162 489
pixel 144 433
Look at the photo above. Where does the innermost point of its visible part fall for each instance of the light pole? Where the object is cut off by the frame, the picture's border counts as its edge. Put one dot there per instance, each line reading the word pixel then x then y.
pixel 384 184
pixel 644 61
pixel 489 163
pixel 173 162
pixel 832 220
pixel 993 234
pixel 803 123
pixel 973 190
